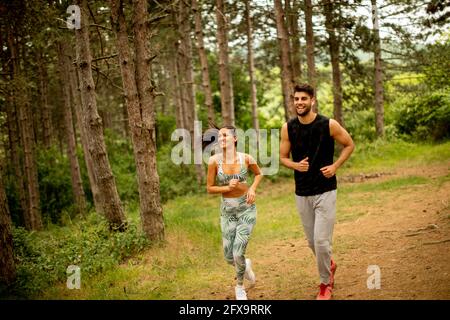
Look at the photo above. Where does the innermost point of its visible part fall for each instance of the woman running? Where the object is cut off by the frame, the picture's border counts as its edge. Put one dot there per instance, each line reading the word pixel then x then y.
pixel 237 209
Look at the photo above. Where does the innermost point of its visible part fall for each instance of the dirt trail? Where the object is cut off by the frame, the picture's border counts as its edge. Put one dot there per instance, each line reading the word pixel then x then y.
pixel 406 233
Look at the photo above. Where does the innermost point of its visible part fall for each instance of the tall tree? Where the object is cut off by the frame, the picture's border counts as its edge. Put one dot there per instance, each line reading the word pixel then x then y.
pixel 76 98
pixel 177 96
pixel 32 215
pixel 185 66
pixel 251 65
pixel 139 96
pixel 226 85
pixel 7 265
pixel 334 49
pixel 112 208
pixel 379 107
pixel 153 223
pixel 292 10
pixel 310 59
pixel 206 82
pixel 14 146
pixel 287 78
pixel 47 127
pixel 77 184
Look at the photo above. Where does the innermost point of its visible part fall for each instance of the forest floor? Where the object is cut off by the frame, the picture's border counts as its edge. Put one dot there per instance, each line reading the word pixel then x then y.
pixel 396 218
pixel 405 232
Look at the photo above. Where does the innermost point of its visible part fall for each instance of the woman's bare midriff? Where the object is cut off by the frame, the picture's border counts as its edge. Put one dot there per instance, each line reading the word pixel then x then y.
pixel 239 191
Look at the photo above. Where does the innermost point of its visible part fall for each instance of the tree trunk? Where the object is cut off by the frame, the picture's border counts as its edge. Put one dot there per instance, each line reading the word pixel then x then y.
pixel 287 80
pixel 125 126
pixel 251 67
pixel 151 209
pixel 15 158
pixel 32 217
pixel 161 73
pixel 379 107
pixel 188 75
pixel 139 95
pixel 185 56
pixel 7 266
pixel 333 44
pixel 47 130
pixel 206 82
pixel 29 148
pixel 76 98
pixel 77 184
pixel 226 86
pixel 112 207
pixel 294 32
pixel 310 49
pixel 177 93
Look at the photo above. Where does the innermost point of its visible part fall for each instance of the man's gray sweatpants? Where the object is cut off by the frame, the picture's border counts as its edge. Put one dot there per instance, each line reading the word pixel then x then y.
pixel 318 214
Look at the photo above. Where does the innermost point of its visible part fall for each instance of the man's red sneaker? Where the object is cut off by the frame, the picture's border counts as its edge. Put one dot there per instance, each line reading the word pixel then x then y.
pixel 324 292
pixel 333 271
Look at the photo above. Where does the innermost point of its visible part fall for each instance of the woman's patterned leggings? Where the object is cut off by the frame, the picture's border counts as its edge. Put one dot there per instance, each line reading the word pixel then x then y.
pixel 237 219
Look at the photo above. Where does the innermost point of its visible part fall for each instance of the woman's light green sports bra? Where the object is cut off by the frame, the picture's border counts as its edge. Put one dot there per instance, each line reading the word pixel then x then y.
pixel 224 179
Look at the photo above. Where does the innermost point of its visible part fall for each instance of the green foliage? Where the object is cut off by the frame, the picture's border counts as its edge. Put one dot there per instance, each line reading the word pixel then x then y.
pixel 121 157
pixel 175 180
pixel 436 63
pixel 42 258
pixel 426 117
pixel 55 185
pixel 165 125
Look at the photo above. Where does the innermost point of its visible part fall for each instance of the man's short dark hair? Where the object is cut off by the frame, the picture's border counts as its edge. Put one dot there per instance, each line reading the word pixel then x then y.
pixel 304 87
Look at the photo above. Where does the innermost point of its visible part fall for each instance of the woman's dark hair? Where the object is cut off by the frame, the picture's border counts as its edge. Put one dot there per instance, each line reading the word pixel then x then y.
pixel 233 128
pixel 211 135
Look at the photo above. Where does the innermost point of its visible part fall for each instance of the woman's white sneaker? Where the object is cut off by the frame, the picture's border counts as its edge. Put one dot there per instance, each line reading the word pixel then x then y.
pixel 240 293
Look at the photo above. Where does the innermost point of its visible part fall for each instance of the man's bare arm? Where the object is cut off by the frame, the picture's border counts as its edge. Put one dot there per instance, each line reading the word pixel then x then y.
pixel 340 135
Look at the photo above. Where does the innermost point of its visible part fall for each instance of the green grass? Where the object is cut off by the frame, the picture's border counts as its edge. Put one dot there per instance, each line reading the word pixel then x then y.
pixel 190 260
pixel 383 155
pixel 391 184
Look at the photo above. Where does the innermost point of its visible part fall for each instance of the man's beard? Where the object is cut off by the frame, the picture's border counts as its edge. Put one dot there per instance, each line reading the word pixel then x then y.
pixel 306 110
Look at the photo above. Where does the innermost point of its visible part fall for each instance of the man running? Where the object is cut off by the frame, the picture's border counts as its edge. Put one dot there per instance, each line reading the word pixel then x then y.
pixel 310 138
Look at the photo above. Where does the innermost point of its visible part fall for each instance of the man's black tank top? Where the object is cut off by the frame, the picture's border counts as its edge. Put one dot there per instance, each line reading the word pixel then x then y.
pixel 312 140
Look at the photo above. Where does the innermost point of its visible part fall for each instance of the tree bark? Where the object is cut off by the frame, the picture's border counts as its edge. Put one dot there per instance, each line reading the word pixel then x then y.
pixel 379 104
pixel 310 59
pixel 287 79
pixel 76 98
pixel 47 128
pixel 177 96
pixel 32 216
pixel 226 86
pixel 29 148
pixel 14 146
pixel 206 82
pixel 139 95
pixel 251 67
pixel 334 47
pixel 152 214
pixel 188 75
pixel 77 184
pixel 112 207
pixel 186 68
pixel 294 32
pixel 7 265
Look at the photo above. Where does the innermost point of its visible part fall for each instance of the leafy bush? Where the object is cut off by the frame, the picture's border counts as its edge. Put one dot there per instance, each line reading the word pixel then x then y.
pixel 175 180
pixel 55 185
pixel 426 117
pixel 42 258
